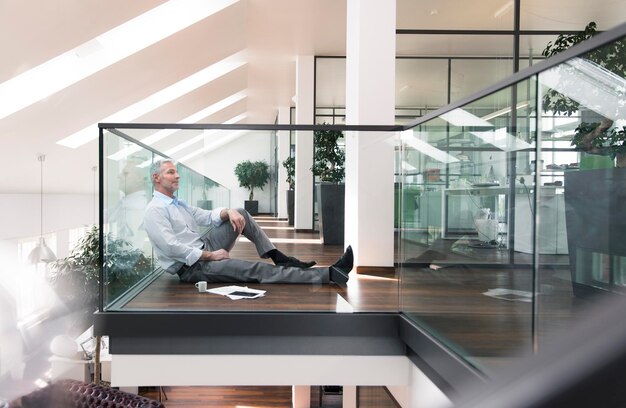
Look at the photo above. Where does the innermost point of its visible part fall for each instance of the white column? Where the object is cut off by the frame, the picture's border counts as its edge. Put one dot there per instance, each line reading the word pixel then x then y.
pixel 283 154
pixel 349 396
pixel 301 396
pixel 370 100
pixel 303 211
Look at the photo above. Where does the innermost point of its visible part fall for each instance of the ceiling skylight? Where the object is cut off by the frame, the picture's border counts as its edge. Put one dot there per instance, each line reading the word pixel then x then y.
pixel 414 139
pixel 107 49
pixel 460 117
pixel 196 139
pixel 162 134
pixel 501 139
pixel 218 142
pixel 589 84
pixel 158 99
pixel 498 137
pixel 207 133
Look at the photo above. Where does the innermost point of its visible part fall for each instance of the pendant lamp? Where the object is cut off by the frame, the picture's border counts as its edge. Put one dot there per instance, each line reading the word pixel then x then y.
pixel 41 253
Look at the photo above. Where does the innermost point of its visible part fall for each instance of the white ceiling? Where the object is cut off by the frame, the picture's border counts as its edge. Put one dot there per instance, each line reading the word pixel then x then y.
pixel 271 33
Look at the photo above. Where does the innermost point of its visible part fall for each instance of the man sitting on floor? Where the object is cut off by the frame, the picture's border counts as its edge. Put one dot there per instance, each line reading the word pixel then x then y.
pixel 172 226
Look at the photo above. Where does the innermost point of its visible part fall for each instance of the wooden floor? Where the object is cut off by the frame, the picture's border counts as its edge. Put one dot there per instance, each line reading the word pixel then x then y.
pixel 446 292
pixel 261 397
pixel 364 293
pixel 222 397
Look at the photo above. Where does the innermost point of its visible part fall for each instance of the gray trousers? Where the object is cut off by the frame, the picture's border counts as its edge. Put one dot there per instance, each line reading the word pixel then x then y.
pixel 237 270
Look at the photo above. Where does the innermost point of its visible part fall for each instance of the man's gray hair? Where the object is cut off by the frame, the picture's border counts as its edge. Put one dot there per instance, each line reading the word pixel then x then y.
pixel 155 167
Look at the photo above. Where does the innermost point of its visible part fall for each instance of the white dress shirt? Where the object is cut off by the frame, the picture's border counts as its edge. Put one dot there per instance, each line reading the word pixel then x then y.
pixel 173 228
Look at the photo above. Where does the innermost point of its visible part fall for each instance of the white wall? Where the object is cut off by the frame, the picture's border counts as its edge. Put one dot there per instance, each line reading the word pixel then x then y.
pixel 420 393
pixel 407 383
pixel 191 370
pixel 20 213
pixel 219 165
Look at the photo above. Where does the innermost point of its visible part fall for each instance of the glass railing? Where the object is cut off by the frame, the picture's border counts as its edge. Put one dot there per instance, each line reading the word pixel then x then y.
pixel 514 200
pixel 208 156
pixel 129 261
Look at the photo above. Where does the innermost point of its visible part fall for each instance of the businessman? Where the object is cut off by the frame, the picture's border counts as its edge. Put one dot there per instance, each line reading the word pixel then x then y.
pixel 172 227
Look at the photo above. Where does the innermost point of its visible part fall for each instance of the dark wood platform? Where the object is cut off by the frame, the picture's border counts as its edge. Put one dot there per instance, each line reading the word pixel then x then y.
pixel 364 292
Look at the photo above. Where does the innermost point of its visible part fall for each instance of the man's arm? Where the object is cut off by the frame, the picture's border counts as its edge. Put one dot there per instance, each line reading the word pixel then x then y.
pixel 215 255
pixel 235 219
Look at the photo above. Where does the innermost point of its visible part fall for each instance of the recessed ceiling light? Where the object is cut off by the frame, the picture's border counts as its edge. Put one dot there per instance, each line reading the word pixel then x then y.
pixel 434 12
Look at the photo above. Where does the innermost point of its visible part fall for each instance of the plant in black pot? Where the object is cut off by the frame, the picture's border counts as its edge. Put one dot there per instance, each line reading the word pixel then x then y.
pixel 205 203
pixel 252 175
pixel 290 165
pixel 595 195
pixel 328 165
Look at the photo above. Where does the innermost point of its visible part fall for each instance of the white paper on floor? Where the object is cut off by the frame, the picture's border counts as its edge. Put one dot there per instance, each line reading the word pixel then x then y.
pixel 510 295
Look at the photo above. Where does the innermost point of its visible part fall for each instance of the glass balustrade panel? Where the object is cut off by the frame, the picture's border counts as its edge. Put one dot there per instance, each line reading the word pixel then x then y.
pixel 130 263
pixel 580 239
pixel 466 177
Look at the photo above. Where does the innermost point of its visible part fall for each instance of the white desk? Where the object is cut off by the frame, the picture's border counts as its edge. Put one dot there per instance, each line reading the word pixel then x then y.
pixel 458 207
pixel 552 229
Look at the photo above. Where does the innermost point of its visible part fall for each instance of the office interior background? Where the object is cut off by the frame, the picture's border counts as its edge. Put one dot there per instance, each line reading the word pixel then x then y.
pixel 72 65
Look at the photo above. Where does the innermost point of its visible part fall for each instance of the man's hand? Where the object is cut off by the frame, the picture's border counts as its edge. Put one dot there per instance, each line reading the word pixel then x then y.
pixel 236 220
pixel 215 255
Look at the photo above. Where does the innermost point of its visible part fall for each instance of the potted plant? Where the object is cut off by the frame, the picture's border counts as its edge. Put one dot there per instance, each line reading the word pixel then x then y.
pixel 76 277
pixel 205 203
pixel 595 194
pixel 328 165
pixel 290 165
pixel 251 175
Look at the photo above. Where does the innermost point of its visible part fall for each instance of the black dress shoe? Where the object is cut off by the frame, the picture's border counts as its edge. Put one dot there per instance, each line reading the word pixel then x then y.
pixel 338 276
pixel 296 263
pixel 346 261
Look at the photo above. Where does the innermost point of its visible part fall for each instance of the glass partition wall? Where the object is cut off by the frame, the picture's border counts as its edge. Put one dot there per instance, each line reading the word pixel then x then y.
pixel 207 157
pixel 511 208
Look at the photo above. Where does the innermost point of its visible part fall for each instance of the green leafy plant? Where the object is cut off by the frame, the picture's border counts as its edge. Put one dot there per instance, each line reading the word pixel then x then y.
pixel 600 138
pixel 597 137
pixel 553 99
pixel 252 175
pixel 290 165
pixel 328 159
pixel 76 277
